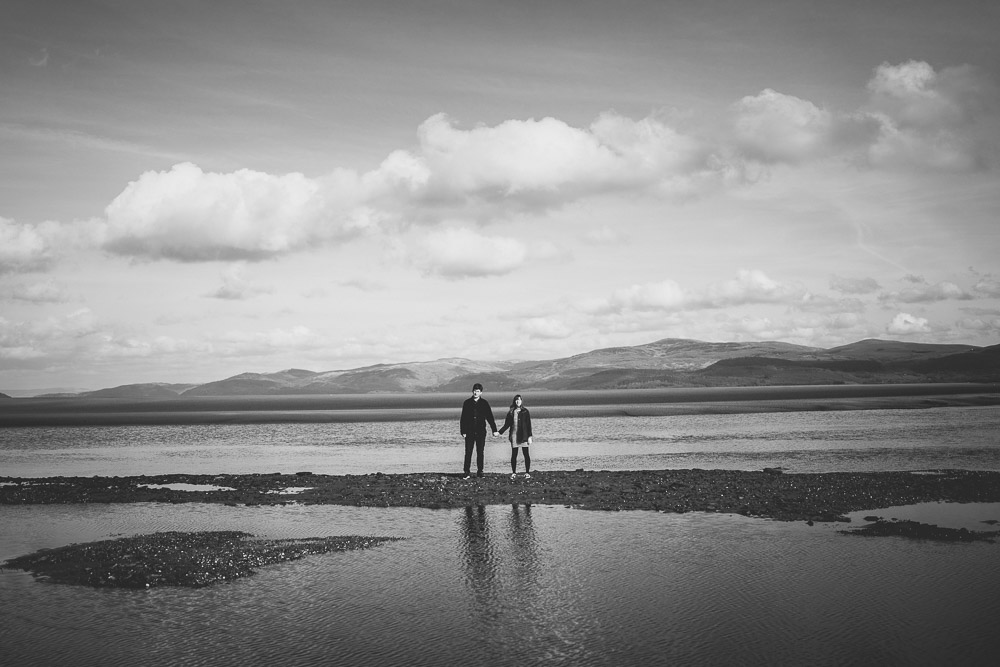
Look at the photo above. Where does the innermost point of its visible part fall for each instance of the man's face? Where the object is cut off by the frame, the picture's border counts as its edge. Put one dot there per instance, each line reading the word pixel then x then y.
pixel 476 393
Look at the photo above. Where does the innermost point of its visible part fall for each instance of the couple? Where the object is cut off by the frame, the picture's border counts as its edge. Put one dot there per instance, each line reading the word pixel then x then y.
pixel 476 413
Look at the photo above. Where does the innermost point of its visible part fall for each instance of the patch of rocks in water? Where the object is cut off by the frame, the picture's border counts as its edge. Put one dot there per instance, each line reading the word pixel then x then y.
pixel 188 559
pixel 919 531
pixel 774 492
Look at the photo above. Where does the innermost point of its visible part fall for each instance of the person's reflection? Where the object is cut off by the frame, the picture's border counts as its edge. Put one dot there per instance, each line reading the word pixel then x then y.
pixel 524 548
pixel 480 562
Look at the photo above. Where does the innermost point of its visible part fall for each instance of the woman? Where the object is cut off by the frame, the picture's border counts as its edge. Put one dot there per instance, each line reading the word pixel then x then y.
pixel 519 422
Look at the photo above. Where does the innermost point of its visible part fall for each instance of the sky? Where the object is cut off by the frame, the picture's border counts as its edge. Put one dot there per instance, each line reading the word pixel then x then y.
pixel 190 190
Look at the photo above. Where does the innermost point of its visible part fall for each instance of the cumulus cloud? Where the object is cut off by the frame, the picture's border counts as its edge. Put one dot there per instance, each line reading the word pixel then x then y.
pixel 773 127
pixel 939 119
pixel 854 285
pixel 751 286
pixel 982 324
pixel 904 323
pixel 923 292
pixel 25 247
pixel 748 287
pixel 187 214
pixel 548 162
pixel 457 252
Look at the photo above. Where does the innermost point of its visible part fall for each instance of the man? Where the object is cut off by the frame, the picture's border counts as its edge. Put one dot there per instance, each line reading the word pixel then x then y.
pixel 476 412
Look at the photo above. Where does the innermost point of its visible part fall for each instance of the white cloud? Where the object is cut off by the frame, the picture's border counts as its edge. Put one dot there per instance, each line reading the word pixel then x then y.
pixel 190 215
pixel 854 285
pixel 24 247
pixel 922 292
pixel 664 296
pixel 933 119
pixel 750 286
pixel 774 127
pixel 904 323
pixel 456 252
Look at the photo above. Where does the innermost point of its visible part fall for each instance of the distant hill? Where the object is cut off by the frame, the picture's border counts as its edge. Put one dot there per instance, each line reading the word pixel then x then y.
pixel 891 350
pixel 671 362
pixel 146 390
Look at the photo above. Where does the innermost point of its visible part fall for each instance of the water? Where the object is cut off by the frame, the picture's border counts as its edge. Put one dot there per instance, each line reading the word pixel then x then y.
pixel 519 585
pixel 958 437
pixel 513 585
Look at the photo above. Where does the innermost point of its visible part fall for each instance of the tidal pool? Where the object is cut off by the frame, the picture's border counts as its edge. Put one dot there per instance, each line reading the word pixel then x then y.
pixel 513 585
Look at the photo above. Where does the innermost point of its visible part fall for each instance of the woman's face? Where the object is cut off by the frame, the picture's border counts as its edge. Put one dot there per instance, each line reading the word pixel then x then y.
pixel 517 401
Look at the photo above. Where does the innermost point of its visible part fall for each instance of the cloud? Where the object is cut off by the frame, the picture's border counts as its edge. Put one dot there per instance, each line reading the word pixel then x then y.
pixel 664 296
pixel 266 343
pixel 773 127
pixel 186 214
pixel 39 292
pixel 750 286
pixel 904 323
pixel 942 120
pixel 922 292
pixel 25 247
pixel 545 328
pixel 547 162
pixel 988 286
pixel 456 252
pixel 854 285
pixel 989 325
pixel 235 287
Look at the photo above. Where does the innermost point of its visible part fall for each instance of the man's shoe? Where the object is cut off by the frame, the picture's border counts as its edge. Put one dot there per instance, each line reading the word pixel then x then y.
pixel 513 476
pixel 479 474
pixel 527 476
pixel 466 476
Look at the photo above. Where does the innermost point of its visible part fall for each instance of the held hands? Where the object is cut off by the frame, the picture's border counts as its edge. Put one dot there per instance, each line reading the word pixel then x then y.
pixel 529 440
pixel 496 433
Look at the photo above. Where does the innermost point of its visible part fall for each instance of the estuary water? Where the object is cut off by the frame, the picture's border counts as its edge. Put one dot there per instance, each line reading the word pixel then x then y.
pixel 849 440
pixel 518 584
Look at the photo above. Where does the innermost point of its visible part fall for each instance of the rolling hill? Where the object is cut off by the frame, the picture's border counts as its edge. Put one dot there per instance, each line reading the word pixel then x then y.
pixel 670 362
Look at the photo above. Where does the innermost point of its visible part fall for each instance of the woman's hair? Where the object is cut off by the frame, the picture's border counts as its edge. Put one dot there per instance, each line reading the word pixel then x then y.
pixel 513 402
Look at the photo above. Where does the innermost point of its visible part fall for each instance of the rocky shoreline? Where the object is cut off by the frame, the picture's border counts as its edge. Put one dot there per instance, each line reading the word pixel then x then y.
pixel 206 558
pixel 770 493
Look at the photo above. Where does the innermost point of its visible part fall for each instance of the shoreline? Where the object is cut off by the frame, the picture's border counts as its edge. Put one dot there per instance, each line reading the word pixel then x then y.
pixel 57 412
pixel 768 494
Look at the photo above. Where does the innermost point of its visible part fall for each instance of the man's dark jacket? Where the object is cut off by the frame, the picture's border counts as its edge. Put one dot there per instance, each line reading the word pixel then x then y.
pixel 475 414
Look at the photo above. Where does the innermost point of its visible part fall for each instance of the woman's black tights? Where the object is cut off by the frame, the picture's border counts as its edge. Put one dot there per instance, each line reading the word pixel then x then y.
pixel 513 459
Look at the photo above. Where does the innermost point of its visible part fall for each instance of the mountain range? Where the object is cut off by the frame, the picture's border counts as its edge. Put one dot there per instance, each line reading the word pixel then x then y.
pixel 670 362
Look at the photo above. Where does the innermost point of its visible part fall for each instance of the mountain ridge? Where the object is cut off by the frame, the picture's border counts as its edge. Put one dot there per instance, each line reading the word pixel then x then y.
pixel 669 362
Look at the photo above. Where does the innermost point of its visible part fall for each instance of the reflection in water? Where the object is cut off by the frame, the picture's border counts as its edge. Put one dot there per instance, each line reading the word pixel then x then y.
pixel 480 563
pixel 515 611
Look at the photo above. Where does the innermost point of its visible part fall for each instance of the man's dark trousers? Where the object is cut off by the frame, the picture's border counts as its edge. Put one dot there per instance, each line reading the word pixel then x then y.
pixel 479 441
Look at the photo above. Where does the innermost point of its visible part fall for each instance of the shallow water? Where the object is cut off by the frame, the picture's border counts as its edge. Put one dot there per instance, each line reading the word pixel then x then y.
pixel 513 585
pixel 859 440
